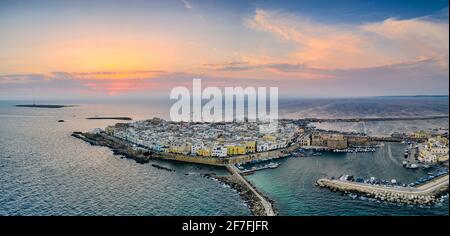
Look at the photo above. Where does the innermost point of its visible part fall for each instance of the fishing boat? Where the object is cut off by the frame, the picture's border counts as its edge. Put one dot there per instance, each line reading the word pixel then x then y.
pixel 412 166
pixel 273 165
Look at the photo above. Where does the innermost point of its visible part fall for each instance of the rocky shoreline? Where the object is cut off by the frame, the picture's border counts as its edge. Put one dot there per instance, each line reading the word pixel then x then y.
pixel 424 197
pixel 163 168
pixel 121 148
pixel 249 197
pixel 116 146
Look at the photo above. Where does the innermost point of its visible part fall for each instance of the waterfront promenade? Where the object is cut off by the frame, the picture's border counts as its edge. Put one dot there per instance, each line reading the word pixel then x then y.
pixel 424 194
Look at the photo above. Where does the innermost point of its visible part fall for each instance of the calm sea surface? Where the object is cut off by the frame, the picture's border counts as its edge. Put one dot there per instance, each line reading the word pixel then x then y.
pixel 44 171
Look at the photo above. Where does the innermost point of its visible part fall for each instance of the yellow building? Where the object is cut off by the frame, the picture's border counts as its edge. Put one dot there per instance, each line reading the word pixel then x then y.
pixel 442 158
pixel 205 152
pixel 421 134
pixel 250 147
pixel 269 137
pixel 180 148
pixel 443 140
pixel 236 150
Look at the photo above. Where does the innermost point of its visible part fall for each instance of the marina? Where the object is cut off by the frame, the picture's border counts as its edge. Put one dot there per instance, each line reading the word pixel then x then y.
pixel 411 154
pixel 440 171
pixel 426 194
pixel 350 150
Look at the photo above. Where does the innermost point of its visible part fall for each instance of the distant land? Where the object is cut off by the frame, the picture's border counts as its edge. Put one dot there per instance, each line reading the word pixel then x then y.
pixel 44 106
pixel 110 118
pixel 413 96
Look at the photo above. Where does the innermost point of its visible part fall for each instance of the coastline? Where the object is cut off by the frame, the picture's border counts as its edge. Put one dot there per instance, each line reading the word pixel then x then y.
pixel 44 106
pixel 122 147
pixel 110 118
pixel 258 204
pixel 247 195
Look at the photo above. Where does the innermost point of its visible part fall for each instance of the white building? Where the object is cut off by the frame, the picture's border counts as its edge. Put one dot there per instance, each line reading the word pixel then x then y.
pixel 262 146
pixel 97 131
pixel 219 152
pixel 196 146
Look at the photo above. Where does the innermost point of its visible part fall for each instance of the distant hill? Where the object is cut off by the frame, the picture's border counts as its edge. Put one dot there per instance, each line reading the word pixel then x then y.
pixel 44 106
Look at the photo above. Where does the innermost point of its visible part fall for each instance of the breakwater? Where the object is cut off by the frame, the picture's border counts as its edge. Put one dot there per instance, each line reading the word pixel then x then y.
pixel 162 167
pixel 425 194
pixel 260 205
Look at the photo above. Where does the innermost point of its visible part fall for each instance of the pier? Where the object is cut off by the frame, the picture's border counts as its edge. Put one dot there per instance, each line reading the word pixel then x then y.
pixel 267 209
pixel 411 154
pixel 425 194
pixel 271 165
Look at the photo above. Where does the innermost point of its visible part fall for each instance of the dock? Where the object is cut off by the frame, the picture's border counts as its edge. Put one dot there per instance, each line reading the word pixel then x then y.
pixel 257 168
pixel 411 154
pixel 425 194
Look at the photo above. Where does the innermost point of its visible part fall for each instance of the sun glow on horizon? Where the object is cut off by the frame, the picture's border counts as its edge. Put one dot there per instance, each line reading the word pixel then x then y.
pixel 157 44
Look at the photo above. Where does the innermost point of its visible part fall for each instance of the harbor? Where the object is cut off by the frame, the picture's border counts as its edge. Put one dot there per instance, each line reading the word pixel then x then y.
pixel 424 194
pixel 259 205
pixel 411 154
pixel 354 150
pixel 255 158
pixel 271 165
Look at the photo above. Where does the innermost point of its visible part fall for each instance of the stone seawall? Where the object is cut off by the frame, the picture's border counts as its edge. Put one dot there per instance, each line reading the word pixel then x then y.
pixel 124 148
pixel 260 205
pixel 273 154
pixel 426 194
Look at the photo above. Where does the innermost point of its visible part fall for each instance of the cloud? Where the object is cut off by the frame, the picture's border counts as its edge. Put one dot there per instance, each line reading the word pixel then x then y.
pixel 21 78
pixel 119 75
pixel 345 46
pixel 422 76
pixel 239 66
pixel 417 37
pixel 393 56
pixel 186 4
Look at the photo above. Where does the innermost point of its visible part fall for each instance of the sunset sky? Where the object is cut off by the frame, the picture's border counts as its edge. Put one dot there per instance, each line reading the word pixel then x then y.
pixel 131 49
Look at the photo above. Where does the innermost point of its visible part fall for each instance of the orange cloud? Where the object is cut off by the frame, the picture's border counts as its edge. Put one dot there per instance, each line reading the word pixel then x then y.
pixel 419 37
pixel 117 75
pixel 355 46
